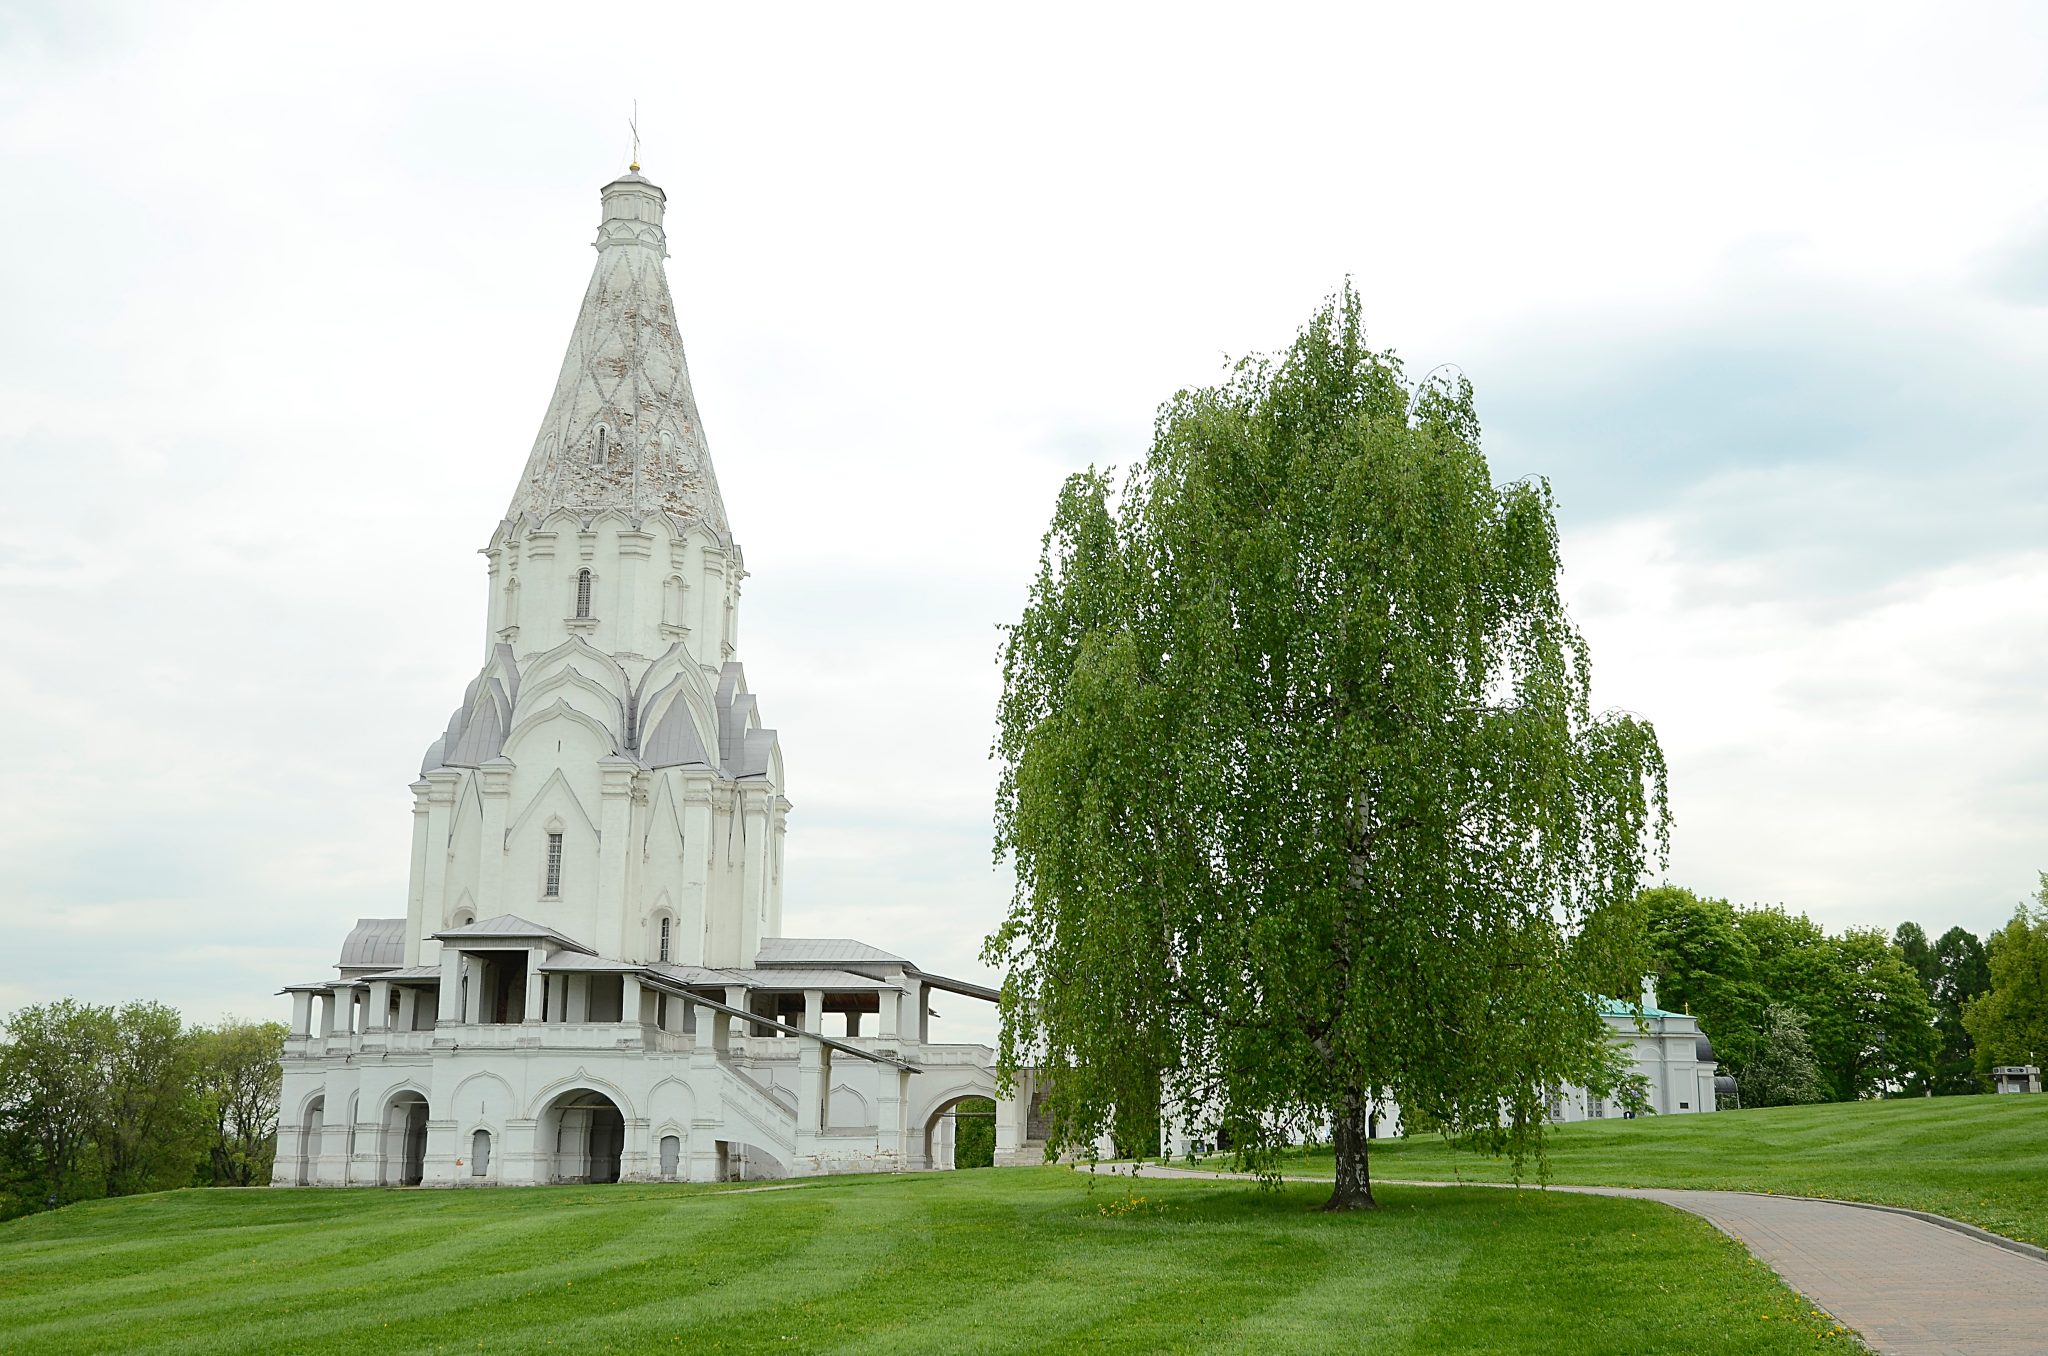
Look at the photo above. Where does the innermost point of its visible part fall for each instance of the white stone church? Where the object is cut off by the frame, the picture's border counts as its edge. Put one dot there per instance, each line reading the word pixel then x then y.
pixel 591 982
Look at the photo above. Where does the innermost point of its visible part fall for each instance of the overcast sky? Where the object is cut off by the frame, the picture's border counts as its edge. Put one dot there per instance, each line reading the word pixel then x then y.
pixel 1763 290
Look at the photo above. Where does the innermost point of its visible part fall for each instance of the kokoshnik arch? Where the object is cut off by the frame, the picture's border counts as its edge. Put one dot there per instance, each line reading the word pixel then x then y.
pixel 590 982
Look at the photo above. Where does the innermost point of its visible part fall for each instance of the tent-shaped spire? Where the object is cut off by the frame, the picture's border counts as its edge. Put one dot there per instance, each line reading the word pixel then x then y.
pixel 622 431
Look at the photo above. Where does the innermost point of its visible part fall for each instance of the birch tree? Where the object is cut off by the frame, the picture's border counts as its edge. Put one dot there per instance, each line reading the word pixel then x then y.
pixel 1307 802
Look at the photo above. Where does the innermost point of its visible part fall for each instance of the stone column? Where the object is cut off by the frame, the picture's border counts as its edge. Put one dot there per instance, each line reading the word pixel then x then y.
pixel 891 1086
pixel 810 1078
pixel 614 832
pixel 629 1000
pixel 326 1026
pixel 577 1001
pixel 473 1001
pixel 736 997
pixel 536 986
pixel 494 787
pixel 917 1021
pixel 1009 1128
pixel 754 871
pixel 377 1016
pixel 442 784
pixel 302 1013
pixel 408 1007
pixel 450 1011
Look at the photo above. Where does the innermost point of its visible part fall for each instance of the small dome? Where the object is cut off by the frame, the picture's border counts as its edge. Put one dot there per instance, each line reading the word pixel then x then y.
pixel 1724 1085
pixel 1705 1049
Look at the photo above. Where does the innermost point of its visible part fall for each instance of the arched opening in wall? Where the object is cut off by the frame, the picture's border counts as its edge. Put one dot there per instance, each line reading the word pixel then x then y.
pixel 480 1154
pixel 663 938
pixel 961 1134
pixel 588 1137
pixel 405 1140
pixel 582 593
pixel 671 1156
pixel 310 1128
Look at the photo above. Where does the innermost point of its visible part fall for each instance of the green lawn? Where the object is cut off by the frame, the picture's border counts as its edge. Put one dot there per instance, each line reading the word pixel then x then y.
pixel 997 1260
pixel 1980 1159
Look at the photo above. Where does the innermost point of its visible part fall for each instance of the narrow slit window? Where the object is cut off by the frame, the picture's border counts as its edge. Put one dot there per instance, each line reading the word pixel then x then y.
pixel 664 940
pixel 597 458
pixel 554 880
pixel 583 593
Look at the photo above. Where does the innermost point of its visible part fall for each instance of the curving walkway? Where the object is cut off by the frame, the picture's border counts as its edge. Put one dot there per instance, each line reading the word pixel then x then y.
pixel 1908 1283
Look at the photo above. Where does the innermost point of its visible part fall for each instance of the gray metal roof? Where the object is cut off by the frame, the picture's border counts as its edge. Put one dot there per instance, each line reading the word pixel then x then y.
pixel 694 974
pixel 784 951
pixel 509 925
pixel 1703 1049
pixel 588 964
pixel 374 943
pixel 808 978
pixel 965 988
pixel 412 974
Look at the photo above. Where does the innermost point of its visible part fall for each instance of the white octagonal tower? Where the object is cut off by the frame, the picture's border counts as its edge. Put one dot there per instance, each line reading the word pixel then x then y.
pixel 607 774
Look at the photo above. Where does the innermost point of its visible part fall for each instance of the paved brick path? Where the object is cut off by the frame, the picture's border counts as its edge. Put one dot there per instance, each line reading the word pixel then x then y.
pixel 1907 1285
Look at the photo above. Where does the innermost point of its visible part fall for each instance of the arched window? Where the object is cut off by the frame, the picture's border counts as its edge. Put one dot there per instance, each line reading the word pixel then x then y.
pixel 597 458
pixel 663 950
pixel 582 593
pixel 553 884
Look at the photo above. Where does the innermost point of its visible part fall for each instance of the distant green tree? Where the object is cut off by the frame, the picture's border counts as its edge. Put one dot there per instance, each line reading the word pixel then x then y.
pixel 53 1091
pixel 1797 969
pixel 1891 1041
pixel 149 1115
pixel 237 1075
pixel 974 1133
pixel 2009 1024
pixel 1782 1071
pixel 1911 940
pixel 1964 974
pixel 1705 966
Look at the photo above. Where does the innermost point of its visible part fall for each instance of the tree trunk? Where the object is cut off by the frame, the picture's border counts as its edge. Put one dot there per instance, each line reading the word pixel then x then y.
pixel 1351 1135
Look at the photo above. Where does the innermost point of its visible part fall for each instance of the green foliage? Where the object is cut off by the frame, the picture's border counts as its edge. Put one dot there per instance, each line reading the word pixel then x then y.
pixel 1963 974
pixel 1918 953
pixel 1307 801
pixel 974 1133
pixel 2009 1024
pixel 238 1075
pixel 1782 1071
pixel 1885 1041
pixel 1706 966
pixel 102 1101
pixel 1015 1261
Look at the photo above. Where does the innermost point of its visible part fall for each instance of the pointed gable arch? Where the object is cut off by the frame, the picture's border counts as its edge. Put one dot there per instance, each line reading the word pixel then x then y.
pixel 579 653
pixel 557 795
pixel 569 682
pixel 561 711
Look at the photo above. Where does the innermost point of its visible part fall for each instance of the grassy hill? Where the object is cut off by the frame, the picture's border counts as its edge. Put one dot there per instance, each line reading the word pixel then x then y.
pixel 1980 1159
pixel 998 1261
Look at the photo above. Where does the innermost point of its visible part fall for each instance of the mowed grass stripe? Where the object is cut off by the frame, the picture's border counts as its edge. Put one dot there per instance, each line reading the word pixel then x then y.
pixel 417 1279
pixel 999 1261
pixel 1979 1159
